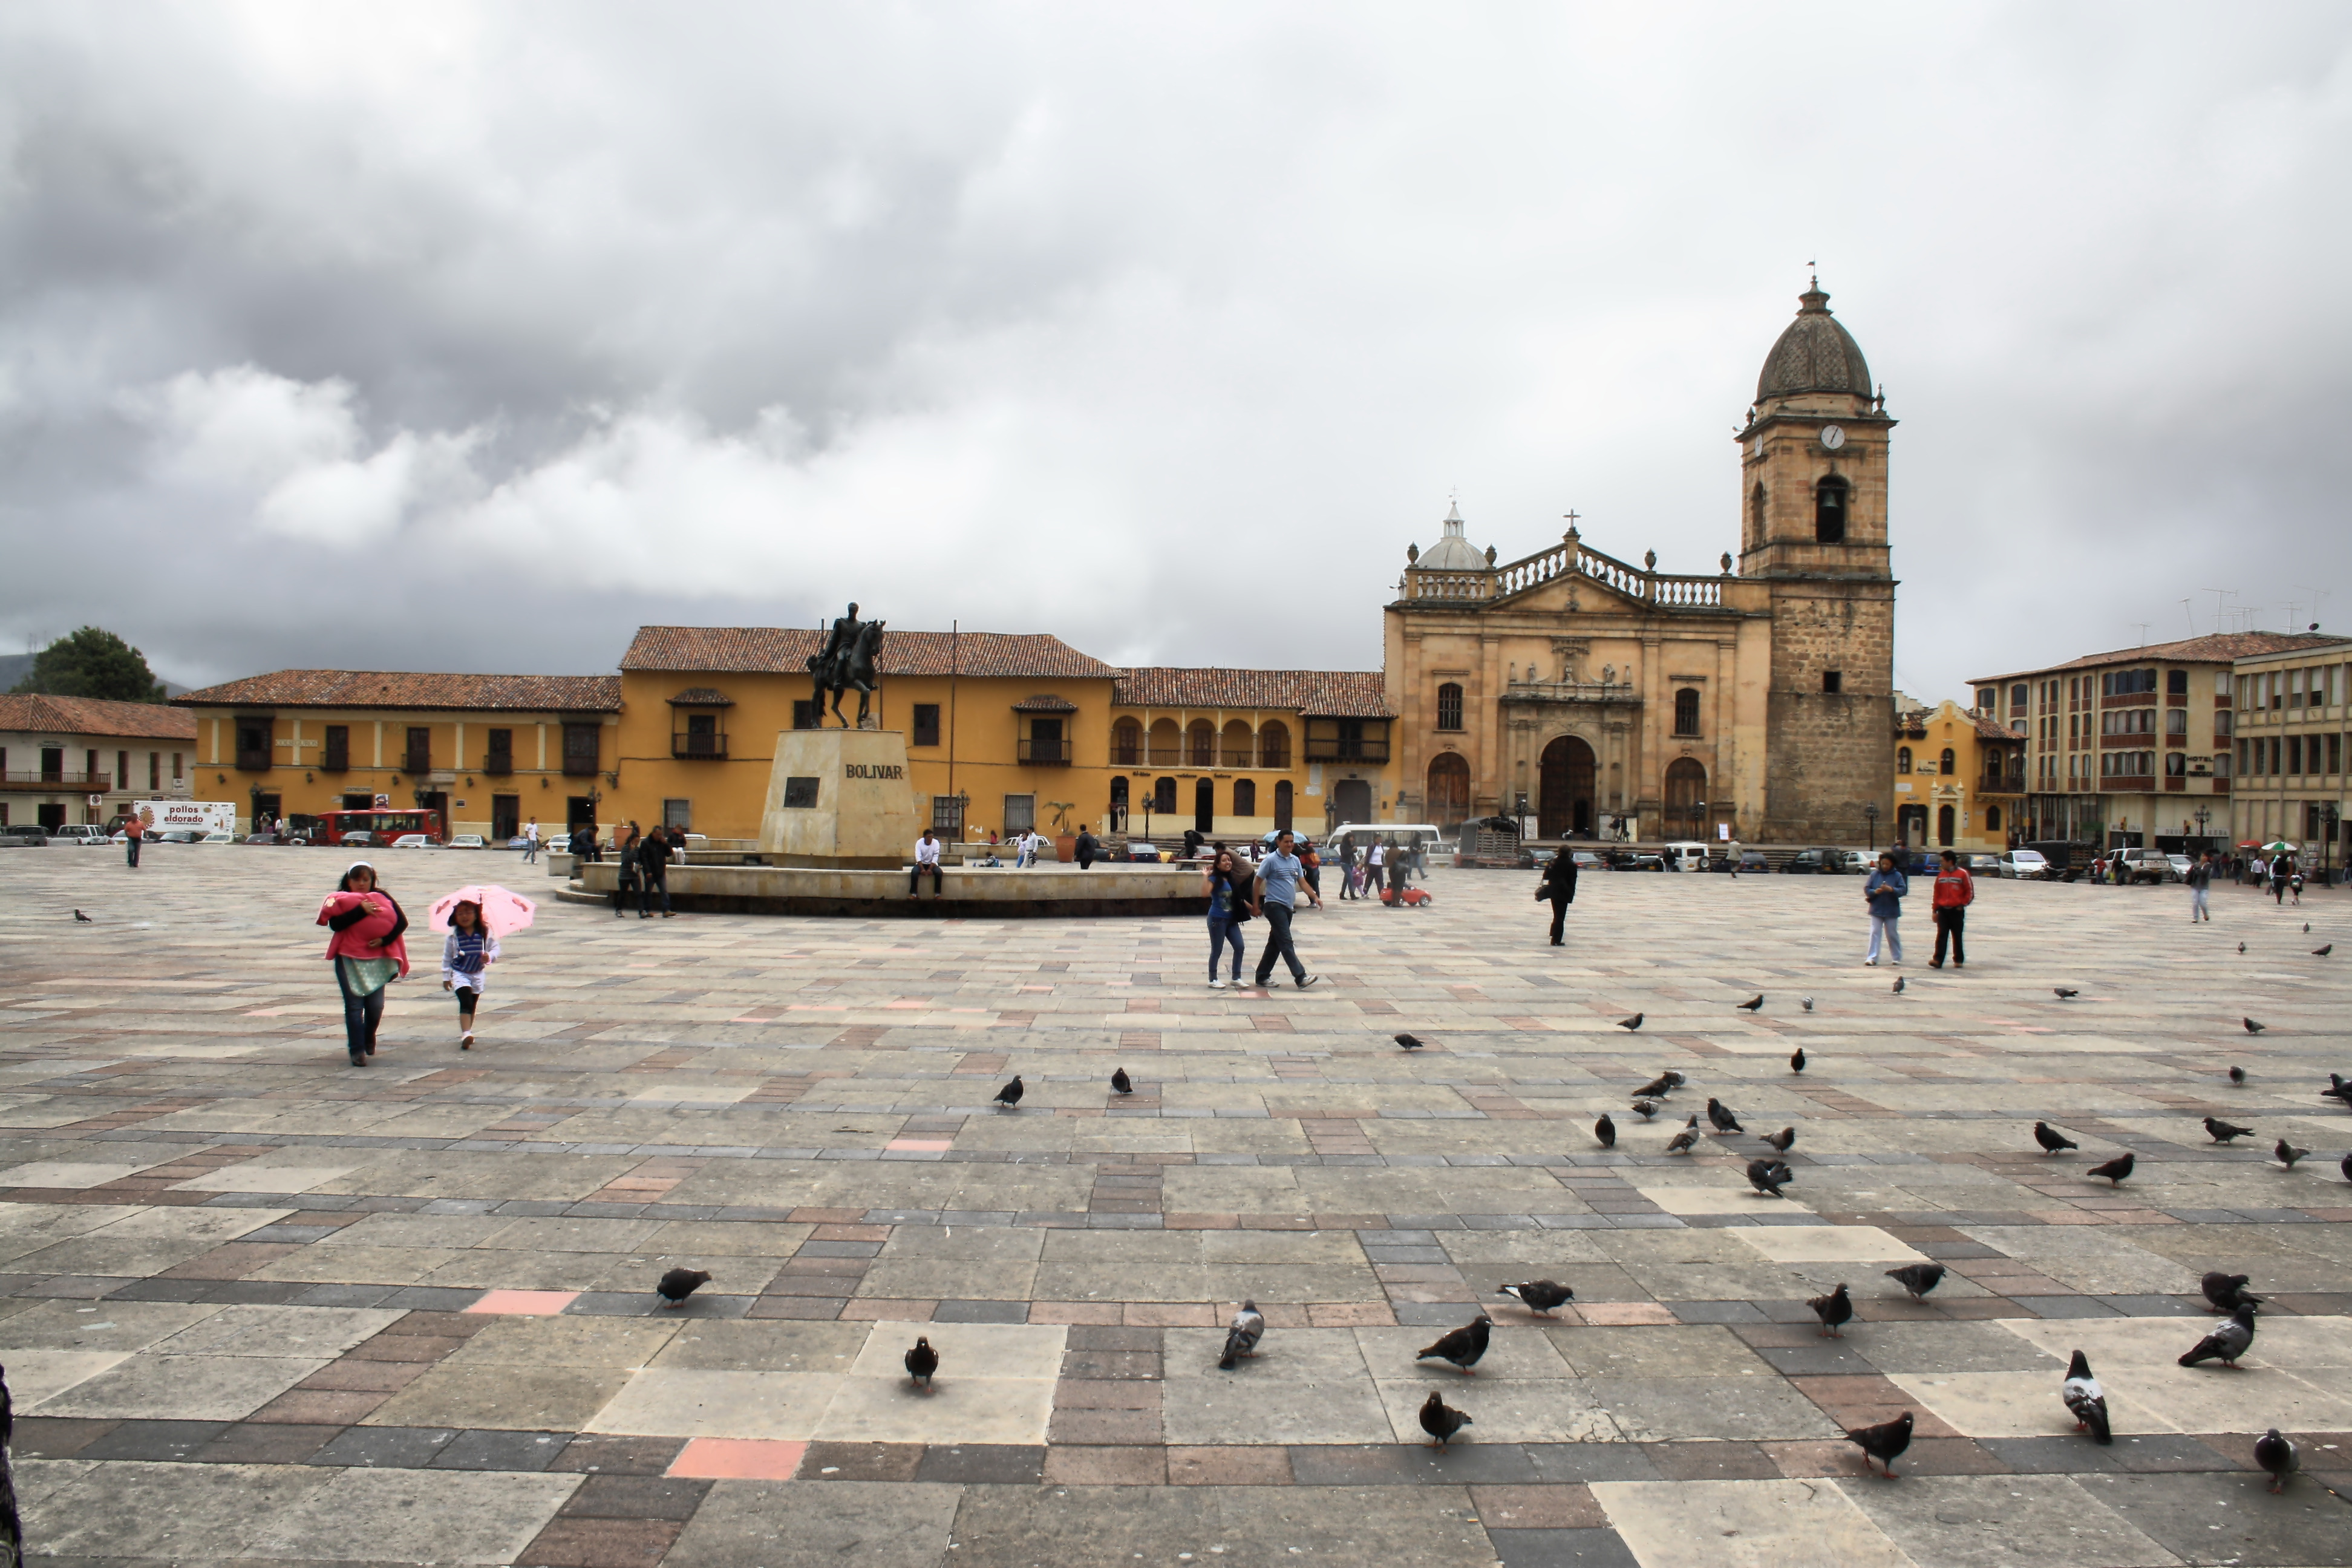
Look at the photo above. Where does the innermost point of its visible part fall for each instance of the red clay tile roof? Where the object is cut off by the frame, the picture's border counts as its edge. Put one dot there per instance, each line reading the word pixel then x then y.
pixel 1045 703
pixel 2219 647
pixel 701 697
pixel 1324 693
pixel 399 689
pixel 30 715
pixel 788 650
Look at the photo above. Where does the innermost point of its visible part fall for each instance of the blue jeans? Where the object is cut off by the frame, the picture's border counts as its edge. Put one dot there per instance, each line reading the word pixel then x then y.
pixel 1222 929
pixel 1277 943
pixel 362 1014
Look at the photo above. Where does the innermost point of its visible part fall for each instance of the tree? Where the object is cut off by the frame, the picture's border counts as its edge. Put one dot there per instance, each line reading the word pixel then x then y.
pixel 92 663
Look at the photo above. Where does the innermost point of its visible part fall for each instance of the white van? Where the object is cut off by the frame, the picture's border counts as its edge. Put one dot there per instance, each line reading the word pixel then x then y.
pixel 1687 855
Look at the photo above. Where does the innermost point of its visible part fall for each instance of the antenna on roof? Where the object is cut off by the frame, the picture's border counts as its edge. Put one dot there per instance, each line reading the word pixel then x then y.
pixel 2191 613
pixel 2143 632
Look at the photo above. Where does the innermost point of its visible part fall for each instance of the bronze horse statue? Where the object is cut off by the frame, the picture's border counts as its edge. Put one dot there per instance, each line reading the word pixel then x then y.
pixel 853 666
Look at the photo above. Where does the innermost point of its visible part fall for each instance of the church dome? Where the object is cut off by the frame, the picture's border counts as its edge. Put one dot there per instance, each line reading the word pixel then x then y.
pixel 1452 552
pixel 1815 354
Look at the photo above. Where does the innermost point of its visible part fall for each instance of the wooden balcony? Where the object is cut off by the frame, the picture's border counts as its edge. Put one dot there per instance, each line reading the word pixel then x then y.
pixel 699 748
pixel 45 781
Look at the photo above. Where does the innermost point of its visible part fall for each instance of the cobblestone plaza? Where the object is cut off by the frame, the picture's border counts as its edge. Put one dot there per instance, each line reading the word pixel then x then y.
pixel 259 1304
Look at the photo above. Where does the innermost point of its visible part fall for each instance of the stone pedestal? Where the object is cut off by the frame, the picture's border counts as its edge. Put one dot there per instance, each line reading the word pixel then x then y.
pixel 840 798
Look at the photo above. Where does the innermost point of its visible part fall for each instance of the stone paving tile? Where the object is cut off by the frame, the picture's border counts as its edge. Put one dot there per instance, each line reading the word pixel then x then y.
pixel 224 1256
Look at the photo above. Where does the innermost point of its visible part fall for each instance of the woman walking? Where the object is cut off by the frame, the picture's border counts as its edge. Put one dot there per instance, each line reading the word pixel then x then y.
pixel 466 958
pixel 1228 887
pixel 366 951
pixel 1884 893
pixel 624 851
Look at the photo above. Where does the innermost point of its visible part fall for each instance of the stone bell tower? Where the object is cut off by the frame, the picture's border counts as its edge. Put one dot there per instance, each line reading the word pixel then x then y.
pixel 1814 492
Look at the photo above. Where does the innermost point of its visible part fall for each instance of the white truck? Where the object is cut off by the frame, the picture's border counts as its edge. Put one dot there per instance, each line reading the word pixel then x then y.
pixel 196 815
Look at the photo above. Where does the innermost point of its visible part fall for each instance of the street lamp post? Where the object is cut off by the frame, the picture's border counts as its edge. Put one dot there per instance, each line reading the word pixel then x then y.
pixel 1870 813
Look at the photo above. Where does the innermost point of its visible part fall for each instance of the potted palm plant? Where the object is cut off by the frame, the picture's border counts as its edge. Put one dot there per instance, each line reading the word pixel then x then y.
pixel 1066 842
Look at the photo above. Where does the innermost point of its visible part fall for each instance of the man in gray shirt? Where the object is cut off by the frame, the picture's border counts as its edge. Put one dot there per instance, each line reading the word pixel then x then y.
pixel 1279 877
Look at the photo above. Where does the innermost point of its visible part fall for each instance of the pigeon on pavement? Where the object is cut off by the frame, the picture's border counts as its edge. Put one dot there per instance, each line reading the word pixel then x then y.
pixel 922 1361
pixel 1606 1130
pixel 1544 1296
pixel 2114 1170
pixel 1807 1002
pixel 2339 1088
pixel 1721 1116
pixel 1884 1442
pixel 2223 1132
pixel 2227 1292
pixel 1917 1277
pixel 2241 947
pixel 2347 1167
pixel 1645 1108
pixel 1630 1023
pixel 2277 1454
pixel 2227 1343
pixel 2323 951
pixel 2253 1027
pixel 1241 1339
pixel 675 1286
pixel 1010 1095
pixel 1410 1042
pixel 1898 991
pixel 1683 1141
pixel 1753 1003
pixel 1768 1176
pixel 1673 1078
pixel 1461 1346
pixel 2287 1154
pixel 2237 1073
pixel 1441 1420
pixel 1835 1311
pixel 2051 1139
pixel 2084 1397
pixel 2065 993
pixel 1781 1140
pixel 1659 1086
pixel 1120 1083
pixel 1797 1060
pixel 82 920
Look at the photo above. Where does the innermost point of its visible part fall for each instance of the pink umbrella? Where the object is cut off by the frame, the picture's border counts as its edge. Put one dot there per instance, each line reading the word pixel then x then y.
pixel 504 913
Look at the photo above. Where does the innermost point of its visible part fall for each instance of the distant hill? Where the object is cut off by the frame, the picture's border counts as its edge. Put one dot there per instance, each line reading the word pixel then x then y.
pixel 14 667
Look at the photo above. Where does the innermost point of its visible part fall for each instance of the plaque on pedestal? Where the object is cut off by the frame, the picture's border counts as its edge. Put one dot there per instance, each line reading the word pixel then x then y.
pixel 840 798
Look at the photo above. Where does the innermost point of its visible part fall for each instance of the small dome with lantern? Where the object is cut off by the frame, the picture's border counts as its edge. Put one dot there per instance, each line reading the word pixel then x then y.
pixel 1452 552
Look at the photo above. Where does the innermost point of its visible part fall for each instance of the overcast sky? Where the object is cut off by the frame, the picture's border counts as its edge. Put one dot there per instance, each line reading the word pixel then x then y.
pixel 469 337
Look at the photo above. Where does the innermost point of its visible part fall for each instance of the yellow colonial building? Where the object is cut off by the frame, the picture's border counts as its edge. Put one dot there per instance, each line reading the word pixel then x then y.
pixel 1960 780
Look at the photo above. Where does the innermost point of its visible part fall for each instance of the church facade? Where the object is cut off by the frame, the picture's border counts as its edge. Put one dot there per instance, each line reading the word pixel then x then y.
pixel 1593 694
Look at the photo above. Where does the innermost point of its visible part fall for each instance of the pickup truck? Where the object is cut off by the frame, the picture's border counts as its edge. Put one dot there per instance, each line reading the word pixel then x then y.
pixel 2144 866
pixel 82 836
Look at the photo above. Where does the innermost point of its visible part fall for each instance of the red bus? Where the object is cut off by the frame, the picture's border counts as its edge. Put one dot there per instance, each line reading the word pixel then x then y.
pixel 383 827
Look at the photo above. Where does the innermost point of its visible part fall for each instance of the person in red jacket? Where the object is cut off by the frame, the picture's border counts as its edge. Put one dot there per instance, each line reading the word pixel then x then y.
pixel 1955 891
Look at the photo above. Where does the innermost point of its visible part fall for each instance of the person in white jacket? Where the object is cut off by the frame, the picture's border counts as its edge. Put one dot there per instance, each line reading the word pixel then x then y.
pixel 466 960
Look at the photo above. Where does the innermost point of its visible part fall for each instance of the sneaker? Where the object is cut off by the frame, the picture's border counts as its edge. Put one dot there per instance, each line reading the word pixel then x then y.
pixel 1216 986
pixel 1870 963
pixel 1307 980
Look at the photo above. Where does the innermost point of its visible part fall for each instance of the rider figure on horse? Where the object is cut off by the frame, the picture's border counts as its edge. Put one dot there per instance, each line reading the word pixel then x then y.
pixel 846 661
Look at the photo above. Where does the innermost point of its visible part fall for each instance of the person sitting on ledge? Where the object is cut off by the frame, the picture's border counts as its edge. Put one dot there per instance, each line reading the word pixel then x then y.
pixel 926 859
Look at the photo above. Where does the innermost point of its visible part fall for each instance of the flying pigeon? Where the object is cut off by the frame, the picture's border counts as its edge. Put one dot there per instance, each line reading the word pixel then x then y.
pixel 1606 1130
pixel 1660 1086
pixel 1752 1003
pixel 1120 1083
pixel 1884 1442
pixel 2237 1073
pixel 1645 1108
pixel 1241 1339
pixel 1441 1420
pixel 2278 1456
pixel 1543 1295
pixel 82 920
pixel 2227 1292
pixel 2084 1397
pixel 1410 1042
pixel 1835 1311
pixel 1010 1095
pixel 2323 951
pixel 1630 1023
pixel 1807 1002
pixel 1768 1176
pixel 2227 1343
pixel 1898 991
pixel 1721 1116
pixel 2287 1154
pixel 2065 995
pixel 1683 1141
pixel 1797 1060
pixel 675 1286
pixel 2222 1132
pixel 2114 1170
pixel 1917 1277
pixel 922 1361
pixel 2253 1027
pixel 1463 1346
pixel 2051 1139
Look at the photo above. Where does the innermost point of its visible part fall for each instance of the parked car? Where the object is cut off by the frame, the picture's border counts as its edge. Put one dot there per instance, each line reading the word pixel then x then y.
pixel 467 841
pixel 1816 863
pixel 1586 860
pixel 414 841
pixel 1754 861
pixel 216 838
pixel 1537 860
pixel 26 835
pixel 1142 851
pixel 1982 865
pixel 80 835
pixel 1686 854
pixel 360 840
pixel 1923 862
pixel 2181 865
pixel 2139 865
pixel 1647 860
pixel 2024 864
pixel 179 836
pixel 560 844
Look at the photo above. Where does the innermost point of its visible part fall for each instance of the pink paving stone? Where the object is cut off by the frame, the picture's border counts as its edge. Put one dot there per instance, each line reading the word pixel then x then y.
pixel 737 1459
pixel 1625 1314
pixel 1170 1315
pixel 1073 1313
pixel 924 1144
pixel 525 1303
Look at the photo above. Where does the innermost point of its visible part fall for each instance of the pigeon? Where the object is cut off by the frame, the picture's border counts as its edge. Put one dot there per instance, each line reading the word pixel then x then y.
pixel 1241 1339
pixel 2287 1154
pixel 2114 1170
pixel 1543 1295
pixel 82 920
pixel 1898 984
pixel 2227 1292
pixel 1835 1311
pixel 1010 1095
pixel 1752 1003
pixel 2223 1132
pixel 1630 1023
pixel 1797 1060
pixel 2278 1456
pixel 1917 1277
pixel 1660 1086
pixel 922 1361
pixel 1410 1042
pixel 1606 1130
pixel 2051 1139
pixel 1781 1140
pixel 1768 1176
pixel 1807 1002
pixel 675 1286
pixel 2227 1343
pixel 1441 1420
pixel 1884 1442
pixel 2241 947
pixel 2323 951
pixel 2347 1167
pixel 1673 1078
pixel 1721 1115
pixel 2339 1088
pixel 1683 1141
pixel 2065 995
pixel 1645 1108
pixel 1120 1083
pixel 2253 1027
pixel 1464 1345
pixel 2084 1397
pixel 2237 1073
pixel 2306 928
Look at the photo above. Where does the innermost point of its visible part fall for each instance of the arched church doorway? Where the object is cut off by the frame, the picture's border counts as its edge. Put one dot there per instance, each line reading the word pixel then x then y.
pixel 1449 789
pixel 1685 798
pixel 1564 802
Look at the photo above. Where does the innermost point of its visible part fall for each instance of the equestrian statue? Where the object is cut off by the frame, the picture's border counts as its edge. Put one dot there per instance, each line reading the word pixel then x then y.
pixel 847 660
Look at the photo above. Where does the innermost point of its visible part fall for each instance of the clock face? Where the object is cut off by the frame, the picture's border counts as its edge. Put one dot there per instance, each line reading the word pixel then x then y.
pixel 1832 437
